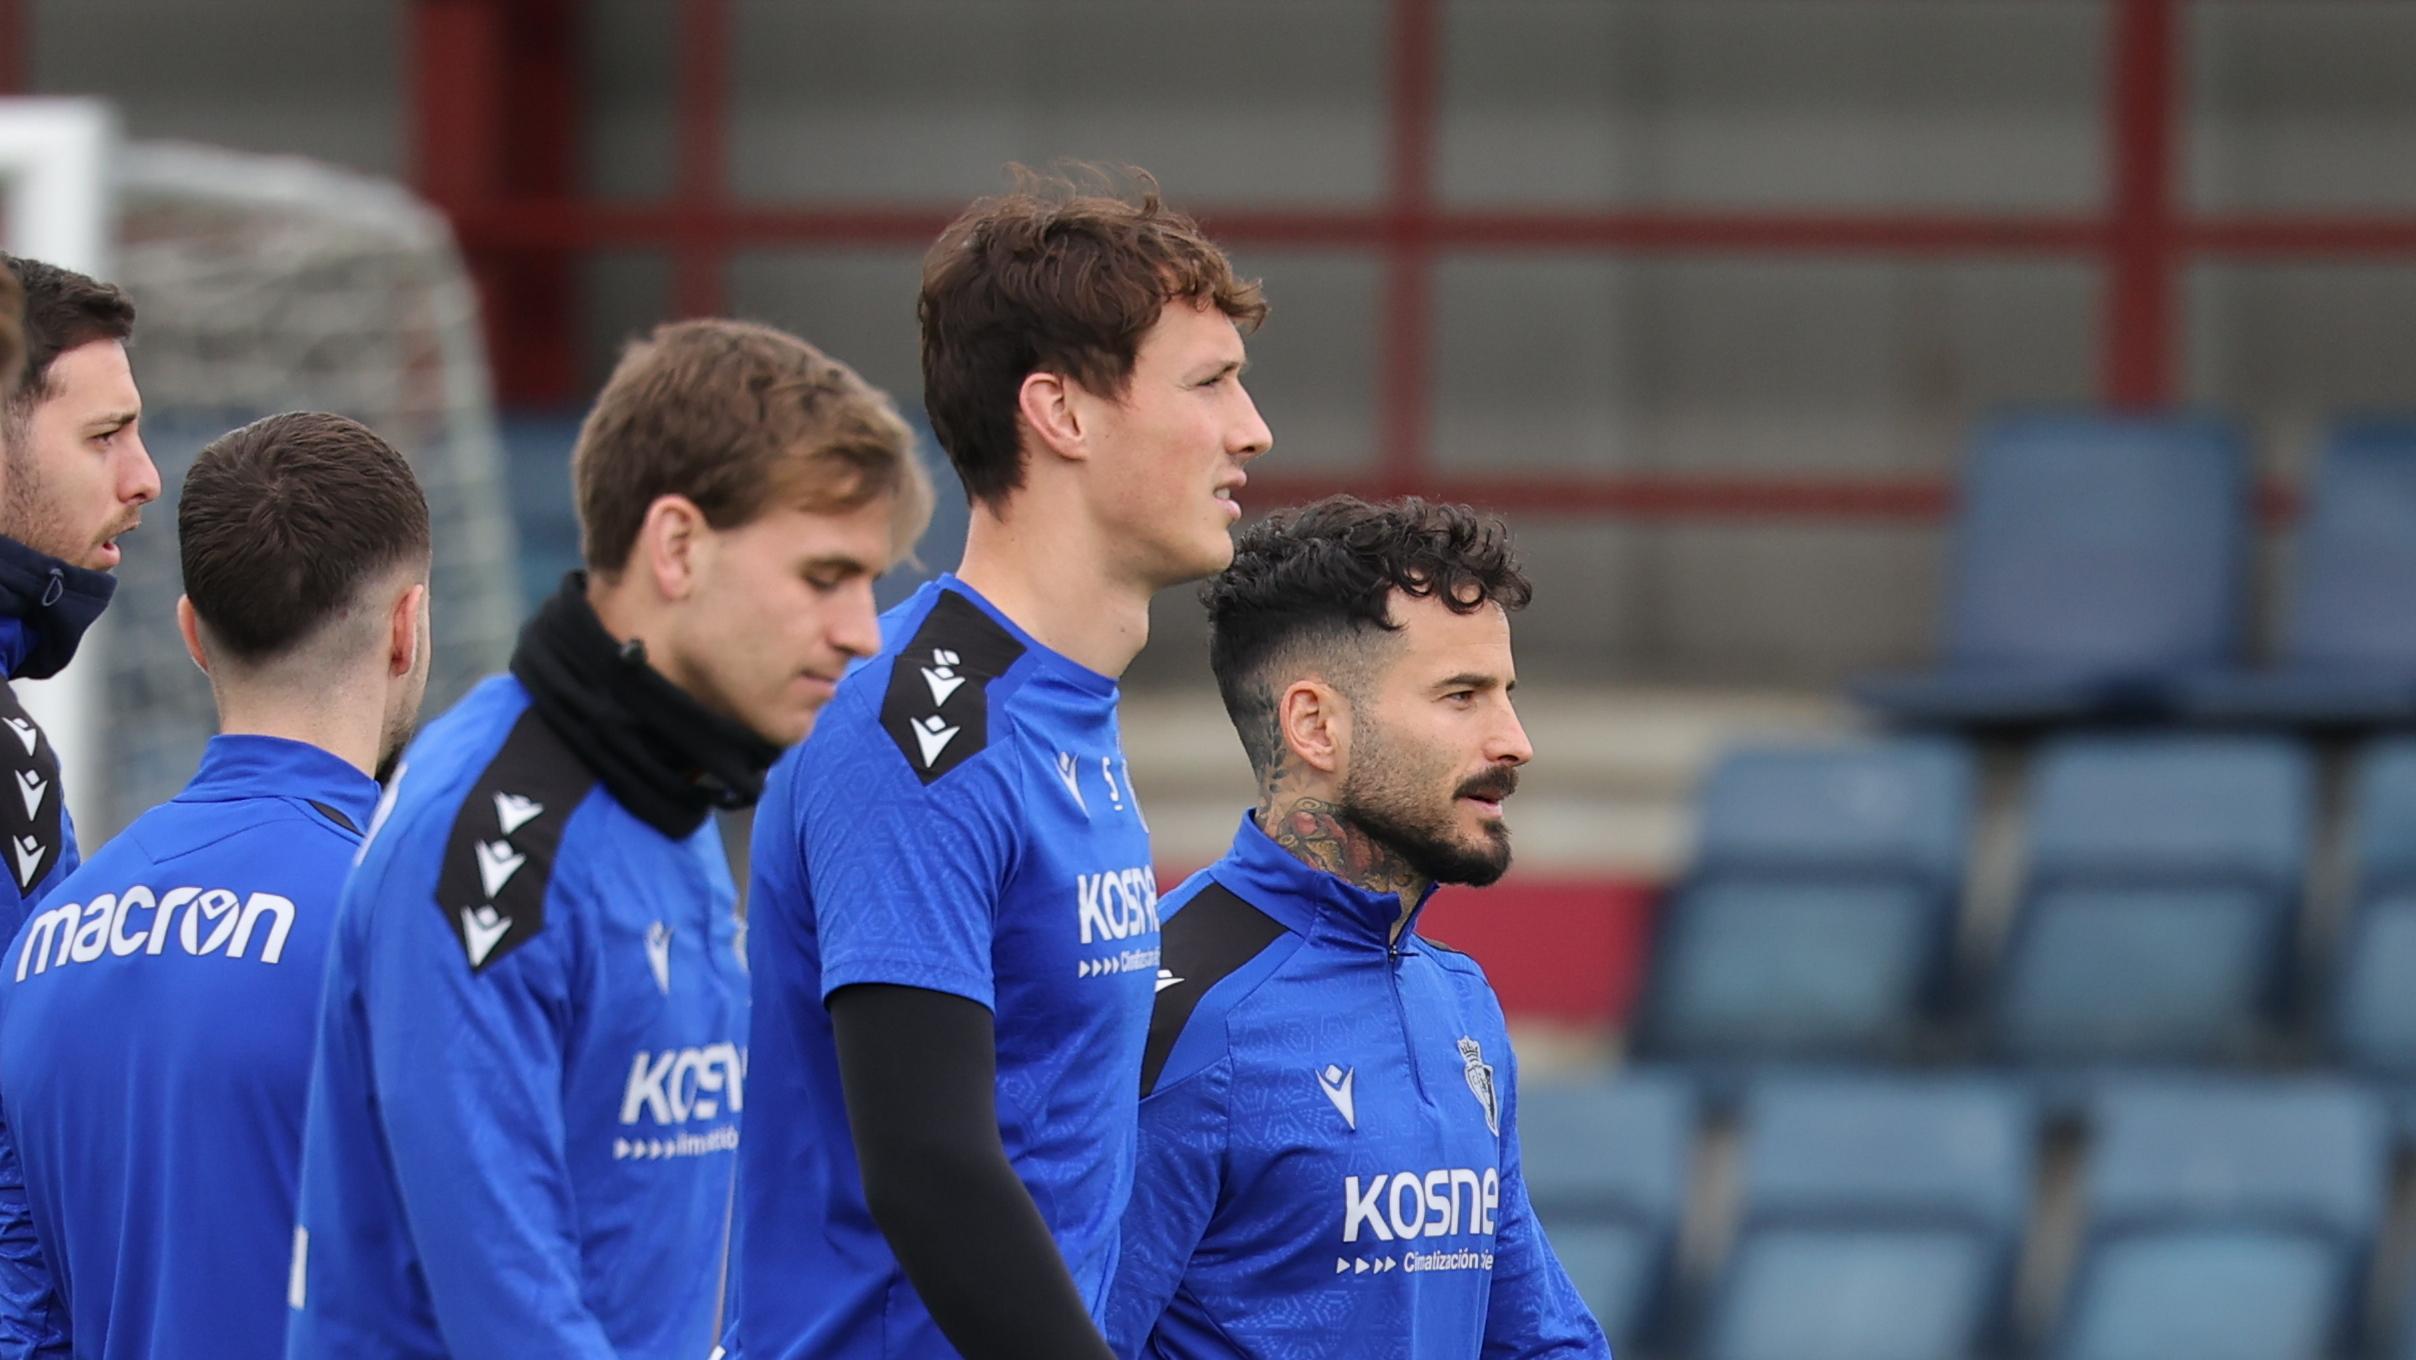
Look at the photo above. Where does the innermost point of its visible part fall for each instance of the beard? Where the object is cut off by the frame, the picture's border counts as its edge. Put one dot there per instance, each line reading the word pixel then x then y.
pixel 1411 807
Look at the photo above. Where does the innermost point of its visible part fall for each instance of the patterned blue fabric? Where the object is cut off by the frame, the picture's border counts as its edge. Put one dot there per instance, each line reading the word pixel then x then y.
pixel 1329 1147
pixel 960 821
pixel 155 1064
pixel 529 1075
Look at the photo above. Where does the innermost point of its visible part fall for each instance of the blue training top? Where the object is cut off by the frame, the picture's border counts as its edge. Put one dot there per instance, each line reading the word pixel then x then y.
pixel 156 1021
pixel 1329 1140
pixel 529 1069
pixel 959 821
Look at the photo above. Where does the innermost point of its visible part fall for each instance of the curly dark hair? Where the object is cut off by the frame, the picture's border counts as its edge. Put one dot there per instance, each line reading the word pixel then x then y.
pixel 1310 582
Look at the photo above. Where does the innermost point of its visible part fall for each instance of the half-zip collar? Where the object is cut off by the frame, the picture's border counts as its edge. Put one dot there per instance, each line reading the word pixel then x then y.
pixel 45 607
pixel 248 765
pixel 1311 902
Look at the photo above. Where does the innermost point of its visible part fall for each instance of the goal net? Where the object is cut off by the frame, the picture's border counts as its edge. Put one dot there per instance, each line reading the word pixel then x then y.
pixel 269 284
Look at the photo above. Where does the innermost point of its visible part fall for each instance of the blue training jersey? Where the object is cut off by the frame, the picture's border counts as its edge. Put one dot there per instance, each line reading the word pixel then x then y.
pixel 156 1022
pixel 529 1072
pixel 1329 1140
pixel 959 821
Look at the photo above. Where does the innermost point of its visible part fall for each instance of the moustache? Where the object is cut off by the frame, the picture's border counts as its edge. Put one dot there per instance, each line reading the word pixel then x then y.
pixel 1494 786
pixel 132 522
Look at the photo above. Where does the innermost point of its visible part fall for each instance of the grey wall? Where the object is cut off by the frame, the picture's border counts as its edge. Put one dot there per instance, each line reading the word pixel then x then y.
pixel 1552 362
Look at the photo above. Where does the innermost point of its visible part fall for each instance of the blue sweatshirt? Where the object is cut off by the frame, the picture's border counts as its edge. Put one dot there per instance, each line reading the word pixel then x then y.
pixel 156 1022
pixel 529 1072
pixel 1329 1140
pixel 960 821
pixel 45 607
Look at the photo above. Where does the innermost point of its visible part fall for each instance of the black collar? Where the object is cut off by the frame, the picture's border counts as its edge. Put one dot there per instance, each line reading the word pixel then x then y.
pixel 52 603
pixel 664 756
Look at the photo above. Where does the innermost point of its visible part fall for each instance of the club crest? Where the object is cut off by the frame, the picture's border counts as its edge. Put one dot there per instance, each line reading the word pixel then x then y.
pixel 1480 1083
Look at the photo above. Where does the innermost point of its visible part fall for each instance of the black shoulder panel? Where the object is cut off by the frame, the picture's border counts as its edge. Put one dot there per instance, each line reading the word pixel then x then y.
pixel 30 805
pixel 500 855
pixel 1203 944
pixel 937 708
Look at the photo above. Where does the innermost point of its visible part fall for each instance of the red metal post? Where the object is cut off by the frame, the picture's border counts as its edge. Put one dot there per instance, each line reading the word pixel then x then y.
pixel 1407 343
pixel 16 47
pixel 2144 254
pixel 495 111
pixel 700 262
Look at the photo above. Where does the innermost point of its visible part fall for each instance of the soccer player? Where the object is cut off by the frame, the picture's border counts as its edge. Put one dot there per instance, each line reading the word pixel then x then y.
pixel 159 1007
pixel 1329 1117
pixel 954 925
pixel 74 477
pixel 531 1056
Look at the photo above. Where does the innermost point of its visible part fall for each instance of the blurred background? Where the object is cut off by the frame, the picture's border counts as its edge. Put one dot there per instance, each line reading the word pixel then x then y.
pixel 1965 449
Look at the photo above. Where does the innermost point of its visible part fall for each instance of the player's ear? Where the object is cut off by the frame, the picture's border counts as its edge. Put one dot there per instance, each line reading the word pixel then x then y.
pixel 403 630
pixel 674 546
pixel 1049 405
pixel 188 626
pixel 1315 722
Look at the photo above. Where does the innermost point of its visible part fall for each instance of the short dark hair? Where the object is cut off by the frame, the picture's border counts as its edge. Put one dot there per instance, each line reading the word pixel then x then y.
pixel 12 333
pixel 1306 583
pixel 1050 277
pixel 283 522
pixel 738 418
pixel 64 310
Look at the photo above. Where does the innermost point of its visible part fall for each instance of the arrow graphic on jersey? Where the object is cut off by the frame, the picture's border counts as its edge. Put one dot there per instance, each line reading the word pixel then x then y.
pixel 482 929
pixel 933 734
pixel 27 733
pixel 1166 979
pixel 29 788
pixel 28 851
pixel 1336 1083
pixel 497 862
pixel 513 812
pixel 941 675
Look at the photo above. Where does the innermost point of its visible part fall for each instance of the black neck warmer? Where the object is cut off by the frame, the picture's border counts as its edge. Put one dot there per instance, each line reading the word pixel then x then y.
pixel 53 603
pixel 662 754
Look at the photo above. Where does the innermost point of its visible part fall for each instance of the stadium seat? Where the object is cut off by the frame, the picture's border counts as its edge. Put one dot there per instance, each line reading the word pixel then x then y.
pixel 2226 1221
pixel 2348 654
pixel 2096 560
pixel 1817 919
pixel 2372 1015
pixel 1881 1219
pixel 2157 920
pixel 1607 1166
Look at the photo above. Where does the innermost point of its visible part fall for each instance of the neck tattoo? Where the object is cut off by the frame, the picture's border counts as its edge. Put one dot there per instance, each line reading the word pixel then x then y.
pixel 1315 831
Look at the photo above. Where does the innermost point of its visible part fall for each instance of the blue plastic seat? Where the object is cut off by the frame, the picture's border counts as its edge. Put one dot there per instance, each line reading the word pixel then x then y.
pixel 2348 653
pixel 1817 919
pixel 2096 561
pixel 1881 1219
pixel 2372 1012
pixel 2226 1221
pixel 1607 1166
pixel 2157 922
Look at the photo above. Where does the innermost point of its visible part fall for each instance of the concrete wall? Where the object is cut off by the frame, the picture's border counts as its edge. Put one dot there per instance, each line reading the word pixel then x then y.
pixel 1796 366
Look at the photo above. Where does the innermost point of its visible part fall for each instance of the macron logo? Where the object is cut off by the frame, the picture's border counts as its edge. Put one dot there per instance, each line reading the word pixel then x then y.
pixel 497 862
pixel 514 812
pixel 484 928
pixel 933 735
pixel 27 733
pixel 1069 772
pixel 1336 1083
pixel 658 954
pixel 28 852
pixel 941 675
pixel 29 788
